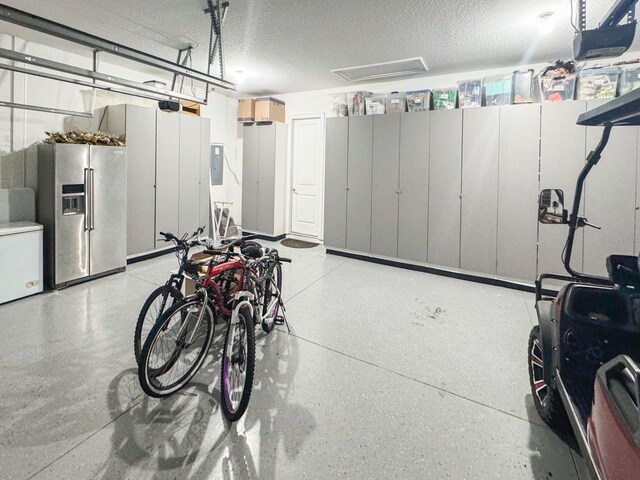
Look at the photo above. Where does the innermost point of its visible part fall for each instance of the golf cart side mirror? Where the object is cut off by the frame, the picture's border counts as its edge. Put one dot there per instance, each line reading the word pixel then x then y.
pixel 551 207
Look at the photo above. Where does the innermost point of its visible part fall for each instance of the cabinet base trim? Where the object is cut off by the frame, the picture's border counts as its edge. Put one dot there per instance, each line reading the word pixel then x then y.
pixel 470 277
pixel 148 256
pixel 264 236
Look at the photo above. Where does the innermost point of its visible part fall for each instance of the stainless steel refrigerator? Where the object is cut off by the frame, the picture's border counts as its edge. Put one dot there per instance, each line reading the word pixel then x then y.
pixel 82 203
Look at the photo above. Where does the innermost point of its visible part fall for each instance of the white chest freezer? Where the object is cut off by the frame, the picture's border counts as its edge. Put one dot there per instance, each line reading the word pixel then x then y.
pixel 20 260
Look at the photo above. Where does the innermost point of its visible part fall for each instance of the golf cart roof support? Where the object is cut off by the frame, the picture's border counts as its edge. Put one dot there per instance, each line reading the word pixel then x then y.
pixel 592 161
pixel 24 19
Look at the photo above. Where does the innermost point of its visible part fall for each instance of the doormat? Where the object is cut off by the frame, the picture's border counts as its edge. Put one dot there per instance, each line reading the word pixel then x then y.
pixel 291 243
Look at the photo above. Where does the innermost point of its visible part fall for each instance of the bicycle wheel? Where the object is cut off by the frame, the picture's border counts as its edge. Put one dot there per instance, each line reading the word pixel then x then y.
pixel 238 364
pixel 175 348
pixel 272 294
pixel 151 311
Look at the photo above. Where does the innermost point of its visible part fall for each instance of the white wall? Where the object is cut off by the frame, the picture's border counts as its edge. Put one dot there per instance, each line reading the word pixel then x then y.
pixel 21 129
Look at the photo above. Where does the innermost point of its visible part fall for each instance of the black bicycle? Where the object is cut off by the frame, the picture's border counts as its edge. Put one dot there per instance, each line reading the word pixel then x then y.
pixel 171 292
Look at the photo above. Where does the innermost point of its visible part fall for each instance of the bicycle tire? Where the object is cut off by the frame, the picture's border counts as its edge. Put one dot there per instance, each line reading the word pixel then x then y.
pixel 141 333
pixel 270 323
pixel 147 373
pixel 234 413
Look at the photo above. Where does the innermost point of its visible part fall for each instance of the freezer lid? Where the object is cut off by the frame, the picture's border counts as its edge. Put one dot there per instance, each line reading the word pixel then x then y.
pixel 13 228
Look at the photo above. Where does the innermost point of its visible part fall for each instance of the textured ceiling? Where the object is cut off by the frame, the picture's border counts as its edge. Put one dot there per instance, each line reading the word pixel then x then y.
pixel 291 45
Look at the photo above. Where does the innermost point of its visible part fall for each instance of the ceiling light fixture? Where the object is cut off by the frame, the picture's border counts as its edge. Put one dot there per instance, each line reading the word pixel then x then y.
pixel 545 23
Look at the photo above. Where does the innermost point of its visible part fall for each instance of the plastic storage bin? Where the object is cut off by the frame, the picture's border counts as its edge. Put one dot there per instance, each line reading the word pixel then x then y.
pixel 470 93
pixel 445 99
pixel 419 100
pixel 396 102
pixel 340 106
pixel 522 87
pixel 598 83
pixel 629 79
pixel 376 104
pixel 558 89
pixel 497 89
pixel 356 102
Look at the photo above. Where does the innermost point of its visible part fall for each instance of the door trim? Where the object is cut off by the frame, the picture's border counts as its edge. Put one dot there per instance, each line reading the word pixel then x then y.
pixel 289 206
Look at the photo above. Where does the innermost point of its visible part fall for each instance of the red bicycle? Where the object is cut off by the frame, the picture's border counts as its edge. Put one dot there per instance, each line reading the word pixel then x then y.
pixel 233 290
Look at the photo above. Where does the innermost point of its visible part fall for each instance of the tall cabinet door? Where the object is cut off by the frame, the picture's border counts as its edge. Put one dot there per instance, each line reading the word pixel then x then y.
pixel 359 188
pixel 384 187
pixel 141 166
pixel 251 150
pixel 266 178
pixel 518 191
pixel 167 174
pixel 205 181
pixel 335 183
pixel 107 247
pixel 562 157
pixel 413 207
pixel 610 197
pixel 445 172
pixel 189 202
pixel 478 236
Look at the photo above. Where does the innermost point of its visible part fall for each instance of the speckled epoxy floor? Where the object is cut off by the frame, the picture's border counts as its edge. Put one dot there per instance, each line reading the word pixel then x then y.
pixel 387 374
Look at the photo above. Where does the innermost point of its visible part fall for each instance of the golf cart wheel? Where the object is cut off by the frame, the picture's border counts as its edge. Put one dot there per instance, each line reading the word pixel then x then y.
pixel 546 398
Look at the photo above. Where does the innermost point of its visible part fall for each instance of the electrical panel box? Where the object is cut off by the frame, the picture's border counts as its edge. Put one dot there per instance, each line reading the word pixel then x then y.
pixel 217 164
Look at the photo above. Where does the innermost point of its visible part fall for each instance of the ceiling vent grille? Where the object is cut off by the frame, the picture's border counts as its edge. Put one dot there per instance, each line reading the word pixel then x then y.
pixel 398 68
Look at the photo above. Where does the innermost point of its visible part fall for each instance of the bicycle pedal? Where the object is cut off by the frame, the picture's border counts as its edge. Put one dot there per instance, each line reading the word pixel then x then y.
pixel 279 320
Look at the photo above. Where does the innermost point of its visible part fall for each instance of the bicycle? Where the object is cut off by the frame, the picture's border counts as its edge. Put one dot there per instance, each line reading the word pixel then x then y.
pixel 230 289
pixel 154 306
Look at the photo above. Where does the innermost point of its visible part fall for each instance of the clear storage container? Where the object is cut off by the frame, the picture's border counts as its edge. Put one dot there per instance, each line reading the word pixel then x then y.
pixel 356 102
pixel 340 106
pixel 497 89
pixel 445 98
pixel 376 104
pixel 558 89
pixel 629 79
pixel 396 102
pixel 419 100
pixel 522 87
pixel 598 83
pixel 470 93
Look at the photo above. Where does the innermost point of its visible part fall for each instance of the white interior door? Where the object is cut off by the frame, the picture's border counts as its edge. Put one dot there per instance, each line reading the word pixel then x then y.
pixel 307 197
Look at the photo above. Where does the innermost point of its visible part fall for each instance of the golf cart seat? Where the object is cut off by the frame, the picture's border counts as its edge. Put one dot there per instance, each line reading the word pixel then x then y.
pixel 624 270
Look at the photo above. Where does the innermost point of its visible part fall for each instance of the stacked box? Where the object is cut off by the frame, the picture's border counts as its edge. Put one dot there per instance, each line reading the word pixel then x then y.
pixel 419 100
pixel 269 109
pixel 396 103
pixel 522 87
pixel 445 99
pixel 558 89
pixel 470 93
pixel 596 83
pixel 497 89
pixel 340 106
pixel 246 110
pixel 356 102
pixel 375 105
pixel 629 79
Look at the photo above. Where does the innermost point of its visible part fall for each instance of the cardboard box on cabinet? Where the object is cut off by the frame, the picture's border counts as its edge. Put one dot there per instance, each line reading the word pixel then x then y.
pixel 269 109
pixel 246 110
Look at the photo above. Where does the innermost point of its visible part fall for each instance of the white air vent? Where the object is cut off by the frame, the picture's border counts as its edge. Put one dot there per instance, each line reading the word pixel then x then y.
pixel 398 68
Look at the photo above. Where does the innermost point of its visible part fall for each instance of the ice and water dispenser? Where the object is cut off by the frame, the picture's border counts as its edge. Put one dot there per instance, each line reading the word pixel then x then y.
pixel 73 199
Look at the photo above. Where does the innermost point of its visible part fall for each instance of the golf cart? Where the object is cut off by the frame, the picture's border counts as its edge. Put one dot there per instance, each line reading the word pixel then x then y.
pixel 584 356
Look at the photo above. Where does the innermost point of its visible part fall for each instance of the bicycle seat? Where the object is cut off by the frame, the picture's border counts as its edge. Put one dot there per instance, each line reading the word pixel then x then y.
pixel 624 270
pixel 252 249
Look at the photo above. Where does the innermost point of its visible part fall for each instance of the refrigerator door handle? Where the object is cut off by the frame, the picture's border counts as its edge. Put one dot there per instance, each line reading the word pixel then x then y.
pixel 92 175
pixel 87 199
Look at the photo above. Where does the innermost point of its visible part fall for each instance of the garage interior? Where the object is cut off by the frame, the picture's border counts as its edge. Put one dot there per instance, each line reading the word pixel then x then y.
pixel 382 190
